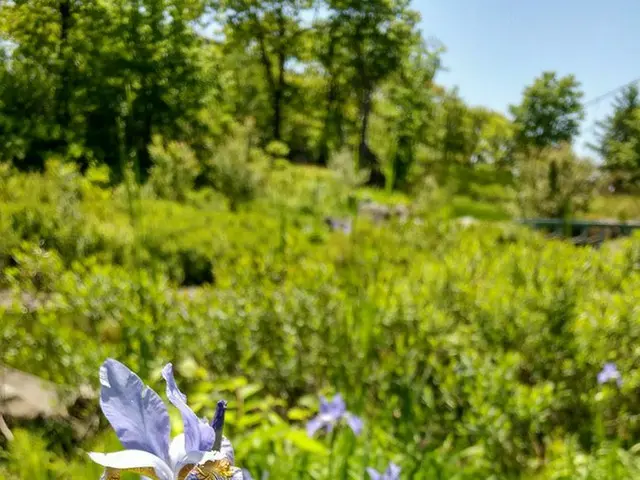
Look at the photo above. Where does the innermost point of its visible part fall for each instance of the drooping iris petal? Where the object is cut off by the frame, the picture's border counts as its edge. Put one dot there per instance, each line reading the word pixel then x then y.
pixel 136 413
pixel 134 461
pixel 355 423
pixel 315 424
pixel 198 436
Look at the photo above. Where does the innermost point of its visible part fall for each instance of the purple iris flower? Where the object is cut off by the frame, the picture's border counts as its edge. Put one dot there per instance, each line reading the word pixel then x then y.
pixel 609 372
pixel 141 422
pixel 392 473
pixel 330 414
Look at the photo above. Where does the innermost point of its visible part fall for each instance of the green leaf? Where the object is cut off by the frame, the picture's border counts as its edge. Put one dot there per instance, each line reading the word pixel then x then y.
pixel 298 414
pixel 301 440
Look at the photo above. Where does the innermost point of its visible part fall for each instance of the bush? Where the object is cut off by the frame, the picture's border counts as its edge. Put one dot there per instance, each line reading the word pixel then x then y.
pixel 232 172
pixel 555 182
pixel 483 355
pixel 344 163
pixel 174 170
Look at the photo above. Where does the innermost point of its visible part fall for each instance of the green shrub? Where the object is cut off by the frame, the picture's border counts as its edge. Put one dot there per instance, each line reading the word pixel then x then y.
pixel 468 355
pixel 174 170
pixel 555 183
pixel 232 172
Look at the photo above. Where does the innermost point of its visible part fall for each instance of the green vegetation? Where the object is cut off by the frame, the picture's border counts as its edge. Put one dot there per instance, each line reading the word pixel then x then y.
pixel 171 176
pixel 466 355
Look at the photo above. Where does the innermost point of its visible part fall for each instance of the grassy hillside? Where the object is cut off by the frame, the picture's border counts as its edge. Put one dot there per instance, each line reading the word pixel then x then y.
pixel 469 351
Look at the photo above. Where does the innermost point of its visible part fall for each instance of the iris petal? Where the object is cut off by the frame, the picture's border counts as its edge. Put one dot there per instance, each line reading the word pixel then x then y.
pixel 134 461
pixel 325 406
pixel 315 424
pixel 337 406
pixel 393 471
pixel 227 450
pixel 373 474
pixel 198 436
pixel 136 413
pixel 238 474
pixel 355 423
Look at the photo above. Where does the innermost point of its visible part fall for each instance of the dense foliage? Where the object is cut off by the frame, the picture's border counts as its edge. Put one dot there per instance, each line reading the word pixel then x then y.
pixel 95 82
pixel 467 356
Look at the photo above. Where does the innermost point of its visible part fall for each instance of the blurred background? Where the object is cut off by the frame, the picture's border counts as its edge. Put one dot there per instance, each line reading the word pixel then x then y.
pixel 428 207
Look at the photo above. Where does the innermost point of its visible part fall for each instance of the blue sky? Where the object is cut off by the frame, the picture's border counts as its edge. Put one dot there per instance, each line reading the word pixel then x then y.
pixel 496 47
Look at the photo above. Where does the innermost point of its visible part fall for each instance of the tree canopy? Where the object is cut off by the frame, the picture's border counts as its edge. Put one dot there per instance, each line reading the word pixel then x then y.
pixel 89 80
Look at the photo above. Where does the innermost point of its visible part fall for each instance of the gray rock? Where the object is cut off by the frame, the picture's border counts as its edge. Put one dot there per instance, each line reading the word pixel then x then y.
pixel 25 398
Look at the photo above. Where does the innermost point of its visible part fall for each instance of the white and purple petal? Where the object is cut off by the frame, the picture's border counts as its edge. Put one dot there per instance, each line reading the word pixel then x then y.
pixel 227 450
pixel 137 461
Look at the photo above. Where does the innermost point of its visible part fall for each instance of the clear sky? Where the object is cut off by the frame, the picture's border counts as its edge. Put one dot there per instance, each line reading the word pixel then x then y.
pixel 496 47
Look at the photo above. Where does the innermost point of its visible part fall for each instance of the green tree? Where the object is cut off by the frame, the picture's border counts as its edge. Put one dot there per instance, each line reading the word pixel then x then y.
pixel 455 143
pixel 74 62
pixel 492 138
pixel 271 30
pixel 550 112
pixel 555 182
pixel 408 105
pixel 619 138
pixel 335 60
pixel 378 36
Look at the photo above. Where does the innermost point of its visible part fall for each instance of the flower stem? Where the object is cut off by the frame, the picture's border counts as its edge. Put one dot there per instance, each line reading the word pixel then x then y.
pixel 332 441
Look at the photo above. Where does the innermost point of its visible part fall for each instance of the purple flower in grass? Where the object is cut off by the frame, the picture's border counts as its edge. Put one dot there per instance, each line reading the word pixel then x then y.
pixel 141 422
pixel 392 473
pixel 609 372
pixel 330 414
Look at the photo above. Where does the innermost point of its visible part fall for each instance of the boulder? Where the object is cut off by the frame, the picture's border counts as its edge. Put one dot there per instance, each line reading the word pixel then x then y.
pixel 27 399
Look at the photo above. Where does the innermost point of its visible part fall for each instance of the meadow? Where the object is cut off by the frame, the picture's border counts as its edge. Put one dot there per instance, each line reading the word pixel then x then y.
pixel 469 350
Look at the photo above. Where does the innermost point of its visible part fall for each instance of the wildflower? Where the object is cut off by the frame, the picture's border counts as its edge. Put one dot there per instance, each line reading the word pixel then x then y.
pixel 392 473
pixel 609 372
pixel 141 422
pixel 330 414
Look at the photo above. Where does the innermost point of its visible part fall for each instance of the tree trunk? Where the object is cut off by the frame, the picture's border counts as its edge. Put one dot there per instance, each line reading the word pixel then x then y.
pixel 365 113
pixel 63 95
pixel 274 89
pixel 277 98
pixel 329 120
